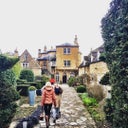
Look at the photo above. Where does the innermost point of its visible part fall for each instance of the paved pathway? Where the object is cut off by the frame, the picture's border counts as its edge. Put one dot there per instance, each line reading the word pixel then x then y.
pixel 73 113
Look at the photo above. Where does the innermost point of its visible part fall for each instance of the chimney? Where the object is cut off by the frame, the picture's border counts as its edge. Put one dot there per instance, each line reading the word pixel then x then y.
pixel 45 48
pixel 76 40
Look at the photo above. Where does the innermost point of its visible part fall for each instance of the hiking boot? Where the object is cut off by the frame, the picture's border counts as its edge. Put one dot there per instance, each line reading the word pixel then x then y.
pixel 47 125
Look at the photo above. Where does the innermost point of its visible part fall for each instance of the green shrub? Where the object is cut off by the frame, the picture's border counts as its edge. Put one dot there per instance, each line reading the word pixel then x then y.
pixel 83 95
pixel 105 79
pixel 21 81
pixel 96 91
pixel 41 80
pixel 23 90
pixel 8 93
pixel 72 81
pixel 10 78
pixel 88 101
pixel 81 89
pixel 114 33
pixel 31 88
pixel 17 69
pixel 27 74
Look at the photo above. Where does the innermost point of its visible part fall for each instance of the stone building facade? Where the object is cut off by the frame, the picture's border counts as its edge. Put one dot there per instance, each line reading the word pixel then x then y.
pixel 93 67
pixel 62 62
pixel 27 62
pixel 68 59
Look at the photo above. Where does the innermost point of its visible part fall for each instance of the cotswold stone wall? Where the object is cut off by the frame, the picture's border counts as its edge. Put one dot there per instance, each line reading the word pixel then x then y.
pixel 97 71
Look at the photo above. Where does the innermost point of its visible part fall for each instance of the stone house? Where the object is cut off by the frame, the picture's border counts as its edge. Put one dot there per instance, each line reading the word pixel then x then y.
pixel 93 67
pixel 28 62
pixel 62 62
pixel 47 60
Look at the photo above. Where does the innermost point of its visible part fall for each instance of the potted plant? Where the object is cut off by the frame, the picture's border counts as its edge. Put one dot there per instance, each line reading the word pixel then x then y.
pixel 32 94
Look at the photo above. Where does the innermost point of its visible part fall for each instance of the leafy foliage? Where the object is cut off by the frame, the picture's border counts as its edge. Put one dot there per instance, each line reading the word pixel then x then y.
pixel 41 80
pixel 89 101
pixel 27 75
pixel 8 93
pixel 7 62
pixel 81 89
pixel 96 91
pixel 72 81
pixel 17 69
pixel 105 79
pixel 31 88
pixel 115 35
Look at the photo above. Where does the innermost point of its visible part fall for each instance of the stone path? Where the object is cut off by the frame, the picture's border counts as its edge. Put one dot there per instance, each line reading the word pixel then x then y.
pixel 73 113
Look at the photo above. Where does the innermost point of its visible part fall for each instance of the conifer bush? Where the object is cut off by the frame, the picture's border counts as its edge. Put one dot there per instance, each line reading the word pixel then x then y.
pixel 8 93
pixel 115 36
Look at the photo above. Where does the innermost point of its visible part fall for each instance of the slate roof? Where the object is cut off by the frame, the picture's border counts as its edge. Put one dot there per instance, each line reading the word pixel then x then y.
pixel 47 57
pixel 67 45
pixel 51 50
pixel 94 54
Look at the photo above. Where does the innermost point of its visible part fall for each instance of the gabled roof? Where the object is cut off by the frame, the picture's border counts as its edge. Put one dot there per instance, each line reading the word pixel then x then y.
pixel 99 49
pixel 26 57
pixel 33 64
pixel 94 53
pixel 85 62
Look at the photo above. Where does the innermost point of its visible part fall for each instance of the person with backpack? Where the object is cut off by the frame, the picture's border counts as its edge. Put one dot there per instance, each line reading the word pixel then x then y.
pixel 47 101
pixel 58 94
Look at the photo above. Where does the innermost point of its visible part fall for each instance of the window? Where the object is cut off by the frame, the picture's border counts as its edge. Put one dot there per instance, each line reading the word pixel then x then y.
pixel 25 65
pixel 57 77
pixel 67 63
pixel 67 50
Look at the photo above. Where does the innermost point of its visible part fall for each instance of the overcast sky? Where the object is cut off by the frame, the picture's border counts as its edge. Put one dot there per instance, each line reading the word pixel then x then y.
pixel 32 24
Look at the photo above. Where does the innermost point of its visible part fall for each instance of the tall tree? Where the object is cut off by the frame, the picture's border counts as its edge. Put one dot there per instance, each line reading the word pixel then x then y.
pixel 115 36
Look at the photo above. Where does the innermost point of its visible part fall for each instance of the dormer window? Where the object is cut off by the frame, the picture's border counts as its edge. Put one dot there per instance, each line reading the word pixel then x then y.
pixel 67 50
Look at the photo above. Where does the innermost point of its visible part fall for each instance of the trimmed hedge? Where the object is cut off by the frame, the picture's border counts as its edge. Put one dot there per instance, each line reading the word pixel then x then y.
pixel 23 90
pixel 81 89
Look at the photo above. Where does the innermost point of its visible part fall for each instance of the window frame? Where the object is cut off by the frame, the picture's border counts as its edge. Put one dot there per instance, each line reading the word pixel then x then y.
pixel 67 63
pixel 67 50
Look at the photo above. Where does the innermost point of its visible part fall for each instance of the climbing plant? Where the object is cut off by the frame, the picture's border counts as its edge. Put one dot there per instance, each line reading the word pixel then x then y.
pixel 115 35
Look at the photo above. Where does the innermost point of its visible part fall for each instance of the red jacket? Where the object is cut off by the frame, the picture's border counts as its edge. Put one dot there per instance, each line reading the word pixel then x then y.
pixel 48 96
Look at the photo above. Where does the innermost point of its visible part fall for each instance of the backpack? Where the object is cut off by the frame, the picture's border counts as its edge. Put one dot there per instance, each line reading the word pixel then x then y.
pixel 58 90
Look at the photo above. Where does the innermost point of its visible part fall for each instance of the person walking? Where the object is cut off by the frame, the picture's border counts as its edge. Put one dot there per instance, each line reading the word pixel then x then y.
pixel 58 94
pixel 47 101
pixel 52 80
